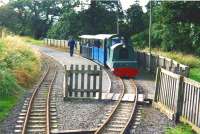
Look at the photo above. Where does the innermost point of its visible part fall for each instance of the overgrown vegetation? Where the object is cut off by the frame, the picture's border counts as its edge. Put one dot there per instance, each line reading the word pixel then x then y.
pixel 32 41
pixel 180 129
pixel 19 67
pixel 187 59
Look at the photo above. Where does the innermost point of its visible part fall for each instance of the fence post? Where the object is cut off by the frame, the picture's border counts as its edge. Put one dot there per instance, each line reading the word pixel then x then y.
pixel 157 83
pixel 171 64
pixel 100 83
pixel 179 106
pixel 71 80
pixel 187 71
pixel 88 81
pixel 76 79
pixel 164 63
pixel 66 81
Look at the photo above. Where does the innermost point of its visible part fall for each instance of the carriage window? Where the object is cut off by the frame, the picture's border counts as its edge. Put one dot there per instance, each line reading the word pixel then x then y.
pixel 97 43
pixel 115 41
pixel 123 53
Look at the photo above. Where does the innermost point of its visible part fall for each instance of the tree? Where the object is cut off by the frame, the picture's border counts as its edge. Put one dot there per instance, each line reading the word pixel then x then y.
pixel 135 18
pixel 98 18
pixel 175 26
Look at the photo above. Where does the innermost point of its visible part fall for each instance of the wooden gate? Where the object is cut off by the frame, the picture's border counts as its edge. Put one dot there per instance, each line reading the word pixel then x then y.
pixel 83 81
pixel 178 97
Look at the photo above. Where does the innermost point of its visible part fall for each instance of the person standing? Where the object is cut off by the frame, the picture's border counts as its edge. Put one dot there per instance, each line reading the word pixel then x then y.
pixel 71 44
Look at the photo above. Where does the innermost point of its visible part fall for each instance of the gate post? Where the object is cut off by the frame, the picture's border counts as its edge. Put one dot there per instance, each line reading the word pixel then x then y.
pixel 66 82
pixel 179 106
pixel 157 83
pixel 100 83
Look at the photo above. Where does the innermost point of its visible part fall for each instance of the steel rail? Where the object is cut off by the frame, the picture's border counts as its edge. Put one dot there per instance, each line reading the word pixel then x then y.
pixel 48 105
pixel 31 100
pixel 100 129
pixel 30 104
pixel 133 110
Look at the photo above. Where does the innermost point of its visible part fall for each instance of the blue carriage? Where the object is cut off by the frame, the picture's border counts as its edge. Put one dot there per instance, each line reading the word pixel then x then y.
pixel 110 50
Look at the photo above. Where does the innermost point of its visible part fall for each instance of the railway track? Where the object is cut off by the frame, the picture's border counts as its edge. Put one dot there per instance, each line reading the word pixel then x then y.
pixel 120 117
pixel 38 114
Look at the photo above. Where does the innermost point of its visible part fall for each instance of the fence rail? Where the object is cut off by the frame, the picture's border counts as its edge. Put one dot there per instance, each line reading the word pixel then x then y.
pixel 159 61
pixel 56 43
pixel 179 95
pixel 83 81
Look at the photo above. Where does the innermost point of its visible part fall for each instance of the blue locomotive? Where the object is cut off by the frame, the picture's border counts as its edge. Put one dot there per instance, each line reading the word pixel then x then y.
pixel 110 50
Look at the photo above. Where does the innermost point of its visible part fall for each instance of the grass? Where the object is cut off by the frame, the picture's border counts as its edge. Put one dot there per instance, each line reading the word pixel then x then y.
pixel 195 74
pixel 180 129
pixel 32 41
pixel 23 62
pixel 187 59
pixel 6 104
pixel 19 68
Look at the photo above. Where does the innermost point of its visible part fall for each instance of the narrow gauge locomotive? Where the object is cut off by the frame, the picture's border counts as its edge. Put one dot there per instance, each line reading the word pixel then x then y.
pixel 110 50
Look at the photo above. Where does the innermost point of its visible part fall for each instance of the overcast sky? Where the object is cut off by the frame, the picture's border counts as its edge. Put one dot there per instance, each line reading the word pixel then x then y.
pixel 125 3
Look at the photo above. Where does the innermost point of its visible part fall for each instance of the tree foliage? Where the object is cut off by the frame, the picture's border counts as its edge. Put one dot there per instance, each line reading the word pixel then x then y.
pixel 175 27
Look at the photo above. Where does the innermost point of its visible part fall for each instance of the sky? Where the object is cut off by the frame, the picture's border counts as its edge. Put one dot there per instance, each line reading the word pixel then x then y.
pixel 125 3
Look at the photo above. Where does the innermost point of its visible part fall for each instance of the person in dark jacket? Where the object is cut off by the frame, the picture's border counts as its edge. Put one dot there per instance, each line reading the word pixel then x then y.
pixel 71 44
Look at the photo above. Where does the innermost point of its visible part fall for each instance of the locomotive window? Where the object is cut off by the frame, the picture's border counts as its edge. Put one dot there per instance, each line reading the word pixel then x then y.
pixel 123 53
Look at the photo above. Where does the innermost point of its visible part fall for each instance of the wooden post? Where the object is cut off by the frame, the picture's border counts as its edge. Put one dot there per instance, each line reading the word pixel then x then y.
pixel 66 81
pixel 82 79
pixel 187 71
pixel 171 63
pixel 180 98
pixel 76 80
pixel 164 63
pixel 157 83
pixel 94 81
pixel 100 83
pixel 88 81
pixel 71 81
pixel 177 69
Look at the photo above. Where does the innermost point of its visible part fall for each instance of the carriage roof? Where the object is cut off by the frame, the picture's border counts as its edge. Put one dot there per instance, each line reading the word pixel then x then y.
pixel 116 45
pixel 98 36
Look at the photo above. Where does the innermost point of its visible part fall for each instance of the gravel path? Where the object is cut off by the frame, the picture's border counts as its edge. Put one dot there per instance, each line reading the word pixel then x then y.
pixel 65 59
pixel 78 113
pixel 153 122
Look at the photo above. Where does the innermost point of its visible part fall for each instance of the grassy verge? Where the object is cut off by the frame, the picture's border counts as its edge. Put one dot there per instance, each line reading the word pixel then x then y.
pixel 195 74
pixel 180 129
pixel 30 40
pixel 6 104
pixel 19 68
pixel 187 59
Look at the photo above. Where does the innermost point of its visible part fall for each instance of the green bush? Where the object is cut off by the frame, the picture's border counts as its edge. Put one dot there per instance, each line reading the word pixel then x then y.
pixel 8 86
pixel 19 67
pixel 140 40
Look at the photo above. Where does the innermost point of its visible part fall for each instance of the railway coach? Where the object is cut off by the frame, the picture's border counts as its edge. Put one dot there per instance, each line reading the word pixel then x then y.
pixel 111 51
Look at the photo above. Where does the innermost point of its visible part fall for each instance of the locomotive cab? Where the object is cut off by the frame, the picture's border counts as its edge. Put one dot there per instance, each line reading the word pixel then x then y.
pixel 122 60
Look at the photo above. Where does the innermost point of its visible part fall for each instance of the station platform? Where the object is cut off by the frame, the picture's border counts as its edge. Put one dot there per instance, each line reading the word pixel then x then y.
pixel 65 59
